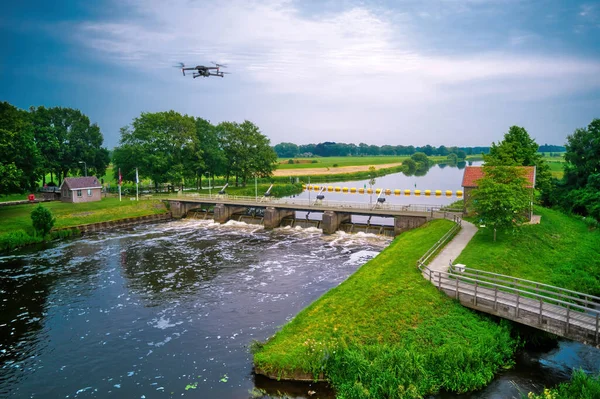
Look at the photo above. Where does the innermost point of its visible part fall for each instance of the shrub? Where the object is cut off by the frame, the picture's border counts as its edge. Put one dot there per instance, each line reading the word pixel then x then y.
pixel 42 220
pixel 291 162
pixel 314 161
pixel 335 165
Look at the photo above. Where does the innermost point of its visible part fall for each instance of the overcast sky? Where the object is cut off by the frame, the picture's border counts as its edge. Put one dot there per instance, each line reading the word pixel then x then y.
pixel 380 72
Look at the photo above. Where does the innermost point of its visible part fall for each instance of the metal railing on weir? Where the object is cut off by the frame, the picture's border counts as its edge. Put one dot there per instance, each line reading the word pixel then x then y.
pixel 262 201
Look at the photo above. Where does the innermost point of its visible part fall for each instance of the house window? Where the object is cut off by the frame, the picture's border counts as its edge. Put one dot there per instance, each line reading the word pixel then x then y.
pixel 79 193
pixel 89 192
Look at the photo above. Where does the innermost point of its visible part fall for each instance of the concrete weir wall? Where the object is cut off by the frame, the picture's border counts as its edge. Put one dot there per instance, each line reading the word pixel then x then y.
pixel 222 213
pixel 405 223
pixel 332 220
pixel 274 216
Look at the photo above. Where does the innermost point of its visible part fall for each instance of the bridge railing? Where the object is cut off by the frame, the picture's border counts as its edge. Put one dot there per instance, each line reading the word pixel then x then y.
pixel 334 205
pixel 544 300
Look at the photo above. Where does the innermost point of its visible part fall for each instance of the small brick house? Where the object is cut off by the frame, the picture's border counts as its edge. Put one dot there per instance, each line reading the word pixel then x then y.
pixel 80 189
pixel 474 173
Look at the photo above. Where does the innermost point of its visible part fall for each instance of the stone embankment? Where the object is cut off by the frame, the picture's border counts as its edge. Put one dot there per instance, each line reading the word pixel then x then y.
pixel 92 227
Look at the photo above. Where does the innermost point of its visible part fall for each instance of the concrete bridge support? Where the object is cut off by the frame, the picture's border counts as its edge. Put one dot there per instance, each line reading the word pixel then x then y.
pixel 332 220
pixel 273 217
pixel 223 212
pixel 179 208
pixel 405 223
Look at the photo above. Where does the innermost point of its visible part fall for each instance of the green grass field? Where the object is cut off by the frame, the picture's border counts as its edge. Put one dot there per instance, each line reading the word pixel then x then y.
pixel 560 251
pixel 16 227
pixel 328 162
pixel 387 332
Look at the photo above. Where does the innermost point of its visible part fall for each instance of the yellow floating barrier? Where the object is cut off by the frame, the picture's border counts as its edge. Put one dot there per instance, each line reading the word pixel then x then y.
pixel 459 193
pixel 417 192
pixel 330 188
pixel 407 192
pixel 353 190
pixel 369 191
pixel 377 190
pixel 438 192
pixel 316 188
pixel 345 189
pixel 361 190
pixel 388 191
pixel 337 189
pixel 448 193
pixel 397 192
pixel 427 192
pixel 304 186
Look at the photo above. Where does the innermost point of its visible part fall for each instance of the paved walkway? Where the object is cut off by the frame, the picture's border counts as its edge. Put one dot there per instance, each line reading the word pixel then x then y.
pixel 453 248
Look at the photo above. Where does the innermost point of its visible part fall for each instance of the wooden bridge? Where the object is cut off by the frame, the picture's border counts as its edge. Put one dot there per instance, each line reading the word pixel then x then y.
pixel 224 207
pixel 570 314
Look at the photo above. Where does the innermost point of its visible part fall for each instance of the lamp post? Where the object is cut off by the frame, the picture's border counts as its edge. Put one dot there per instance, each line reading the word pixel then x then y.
pixel 84 167
pixel 255 188
pixel 209 186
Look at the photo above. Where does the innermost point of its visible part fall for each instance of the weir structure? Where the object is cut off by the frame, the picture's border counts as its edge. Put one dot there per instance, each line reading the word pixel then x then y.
pixel 334 213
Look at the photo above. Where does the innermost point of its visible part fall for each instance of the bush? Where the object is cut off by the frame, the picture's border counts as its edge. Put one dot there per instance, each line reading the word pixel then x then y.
pixel 314 161
pixel 42 220
pixel 291 162
pixel 335 165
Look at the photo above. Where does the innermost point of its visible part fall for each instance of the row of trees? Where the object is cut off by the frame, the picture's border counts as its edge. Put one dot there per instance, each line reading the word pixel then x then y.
pixel 331 149
pixel 45 141
pixel 168 147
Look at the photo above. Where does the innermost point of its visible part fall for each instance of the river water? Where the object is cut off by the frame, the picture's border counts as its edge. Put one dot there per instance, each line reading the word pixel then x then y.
pixel 147 312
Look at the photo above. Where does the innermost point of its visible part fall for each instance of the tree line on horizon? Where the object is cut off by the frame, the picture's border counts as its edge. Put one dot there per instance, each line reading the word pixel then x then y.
pixel 333 149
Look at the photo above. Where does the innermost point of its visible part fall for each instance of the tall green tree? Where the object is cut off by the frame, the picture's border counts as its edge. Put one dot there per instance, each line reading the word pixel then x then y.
pixel 247 151
pixel 502 199
pixel 66 137
pixel 164 146
pixel 19 157
pixel 519 149
pixel 214 162
pixel 286 150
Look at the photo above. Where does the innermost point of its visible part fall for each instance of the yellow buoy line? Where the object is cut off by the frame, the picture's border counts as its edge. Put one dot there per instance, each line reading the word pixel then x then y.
pixel 386 191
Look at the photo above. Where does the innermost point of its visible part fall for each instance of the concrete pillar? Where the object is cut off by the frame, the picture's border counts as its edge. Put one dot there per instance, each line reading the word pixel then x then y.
pixel 178 209
pixel 273 217
pixel 223 212
pixel 332 220
pixel 404 223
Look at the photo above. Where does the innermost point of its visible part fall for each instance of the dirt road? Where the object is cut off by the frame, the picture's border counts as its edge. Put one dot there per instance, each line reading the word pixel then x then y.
pixel 331 171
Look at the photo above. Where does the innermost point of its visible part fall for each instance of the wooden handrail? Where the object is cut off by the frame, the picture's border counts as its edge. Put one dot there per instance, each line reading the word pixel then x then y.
pixel 588 307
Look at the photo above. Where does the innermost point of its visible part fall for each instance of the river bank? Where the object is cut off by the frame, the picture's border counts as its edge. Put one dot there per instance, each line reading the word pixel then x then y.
pixel 16 229
pixel 387 332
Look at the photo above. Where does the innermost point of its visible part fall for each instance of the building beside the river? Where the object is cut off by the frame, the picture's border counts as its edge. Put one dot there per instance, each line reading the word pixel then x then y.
pixel 474 173
pixel 80 189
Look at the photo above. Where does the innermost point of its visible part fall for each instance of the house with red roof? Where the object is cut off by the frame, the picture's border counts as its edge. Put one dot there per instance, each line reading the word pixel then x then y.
pixel 80 189
pixel 474 173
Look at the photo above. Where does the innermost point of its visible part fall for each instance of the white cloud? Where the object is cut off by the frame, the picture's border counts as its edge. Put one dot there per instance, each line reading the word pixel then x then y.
pixel 354 59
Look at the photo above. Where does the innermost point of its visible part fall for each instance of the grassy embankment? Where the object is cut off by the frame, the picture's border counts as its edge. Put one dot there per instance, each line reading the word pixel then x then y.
pixel 560 251
pixel 387 332
pixel 16 228
pixel 581 386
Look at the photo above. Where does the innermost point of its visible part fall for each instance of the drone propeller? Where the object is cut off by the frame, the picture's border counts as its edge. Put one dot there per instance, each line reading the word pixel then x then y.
pixel 219 65
pixel 180 65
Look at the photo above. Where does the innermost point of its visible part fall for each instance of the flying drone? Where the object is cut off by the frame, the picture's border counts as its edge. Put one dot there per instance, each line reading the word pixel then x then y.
pixel 204 71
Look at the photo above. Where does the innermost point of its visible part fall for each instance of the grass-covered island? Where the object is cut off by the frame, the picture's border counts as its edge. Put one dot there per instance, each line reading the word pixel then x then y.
pixel 386 332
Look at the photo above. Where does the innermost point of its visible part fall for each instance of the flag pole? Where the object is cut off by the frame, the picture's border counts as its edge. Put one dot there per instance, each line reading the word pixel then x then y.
pixel 120 182
pixel 137 185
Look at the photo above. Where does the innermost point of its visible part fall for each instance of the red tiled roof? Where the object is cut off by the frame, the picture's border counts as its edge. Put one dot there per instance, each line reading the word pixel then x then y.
pixel 77 183
pixel 474 173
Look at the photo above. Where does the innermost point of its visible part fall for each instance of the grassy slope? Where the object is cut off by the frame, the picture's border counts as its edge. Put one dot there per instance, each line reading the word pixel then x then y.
pixel 560 251
pixel 328 162
pixel 387 327
pixel 66 214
